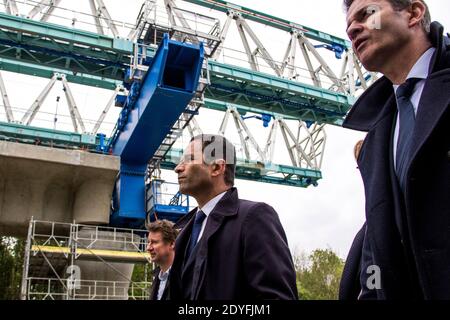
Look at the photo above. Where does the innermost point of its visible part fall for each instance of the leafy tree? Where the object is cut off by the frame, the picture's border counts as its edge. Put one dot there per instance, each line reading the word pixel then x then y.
pixel 318 275
pixel 142 273
pixel 11 263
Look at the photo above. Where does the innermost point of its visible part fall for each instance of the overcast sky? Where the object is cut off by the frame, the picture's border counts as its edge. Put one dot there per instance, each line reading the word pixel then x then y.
pixel 327 216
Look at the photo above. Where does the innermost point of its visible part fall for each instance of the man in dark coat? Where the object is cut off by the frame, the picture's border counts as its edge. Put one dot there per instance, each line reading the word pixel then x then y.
pixel 350 286
pixel 228 248
pixel 161 246
pixel 405 158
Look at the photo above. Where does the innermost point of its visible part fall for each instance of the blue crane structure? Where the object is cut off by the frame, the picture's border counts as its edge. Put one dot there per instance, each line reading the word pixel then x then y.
pixel 147 116
pixel 161 82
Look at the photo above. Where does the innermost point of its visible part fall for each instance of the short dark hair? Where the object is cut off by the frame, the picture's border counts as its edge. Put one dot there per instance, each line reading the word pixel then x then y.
pixel 400 5
pixel 168 232
pixel 228 152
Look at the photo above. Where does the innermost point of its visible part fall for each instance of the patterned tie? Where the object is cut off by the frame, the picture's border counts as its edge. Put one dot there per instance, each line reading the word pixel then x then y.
pixel 199 217
pixel 407 120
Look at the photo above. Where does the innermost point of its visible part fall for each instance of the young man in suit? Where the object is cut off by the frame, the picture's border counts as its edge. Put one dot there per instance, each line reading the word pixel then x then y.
pixel 161 246
pixel 228 248
pixel 405 158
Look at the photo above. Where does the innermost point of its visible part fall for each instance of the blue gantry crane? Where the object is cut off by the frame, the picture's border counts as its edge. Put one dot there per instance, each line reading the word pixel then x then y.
pixel 155 102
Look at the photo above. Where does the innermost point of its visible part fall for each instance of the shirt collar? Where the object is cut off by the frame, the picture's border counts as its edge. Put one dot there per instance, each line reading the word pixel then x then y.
pixel 163 275
pixel 421 68
pixel 209 206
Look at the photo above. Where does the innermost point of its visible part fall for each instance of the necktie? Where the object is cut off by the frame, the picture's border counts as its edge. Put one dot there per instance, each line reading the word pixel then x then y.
pixel 199 217
pixel 407 121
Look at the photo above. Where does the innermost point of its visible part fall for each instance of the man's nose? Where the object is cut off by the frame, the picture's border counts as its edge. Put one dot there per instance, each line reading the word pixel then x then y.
pixel 353 30
pixel 179 168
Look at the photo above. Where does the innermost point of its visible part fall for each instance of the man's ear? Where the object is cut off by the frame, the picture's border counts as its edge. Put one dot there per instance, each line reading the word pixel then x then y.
pixel 417 11
pixel 218 167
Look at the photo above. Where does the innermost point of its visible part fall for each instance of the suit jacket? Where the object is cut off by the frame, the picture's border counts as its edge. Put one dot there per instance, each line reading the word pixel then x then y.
pixel 243 254
pixel 408 233
pixel 155 286
pixel 350 286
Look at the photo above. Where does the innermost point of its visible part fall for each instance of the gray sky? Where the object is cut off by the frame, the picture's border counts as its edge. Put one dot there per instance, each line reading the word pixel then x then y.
pixel 317 217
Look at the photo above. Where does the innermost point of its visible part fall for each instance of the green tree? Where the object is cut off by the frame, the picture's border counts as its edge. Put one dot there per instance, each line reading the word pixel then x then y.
pixel 11 263
pixel 318 275
pixel 141 277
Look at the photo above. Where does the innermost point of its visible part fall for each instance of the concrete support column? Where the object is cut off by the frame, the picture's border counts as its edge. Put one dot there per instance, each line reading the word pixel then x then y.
pixel 92 202
pixel 53 185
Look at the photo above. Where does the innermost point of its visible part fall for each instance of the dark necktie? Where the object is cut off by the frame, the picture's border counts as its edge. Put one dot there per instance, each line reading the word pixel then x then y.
pixel 199 217
pixel 407 121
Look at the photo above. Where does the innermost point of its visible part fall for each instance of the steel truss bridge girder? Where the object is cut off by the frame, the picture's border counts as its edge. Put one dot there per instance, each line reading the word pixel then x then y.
pixel 256 171
pixel 247 170
pixel 47 137
pixel 257 90
pixel 266 19
pixel 271 94
pixel 32 69
pixel 59 47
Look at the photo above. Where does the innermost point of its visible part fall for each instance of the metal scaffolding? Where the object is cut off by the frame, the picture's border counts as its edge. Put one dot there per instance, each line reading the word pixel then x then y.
pixel 55 253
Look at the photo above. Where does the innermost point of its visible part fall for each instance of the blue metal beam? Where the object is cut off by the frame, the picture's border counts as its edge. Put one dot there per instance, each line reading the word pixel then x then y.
pixel 168 87
pixel 149 113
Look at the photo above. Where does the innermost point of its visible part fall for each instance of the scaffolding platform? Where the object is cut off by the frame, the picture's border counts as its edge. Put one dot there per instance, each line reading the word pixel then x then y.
pixel 94 254
pixel 57 255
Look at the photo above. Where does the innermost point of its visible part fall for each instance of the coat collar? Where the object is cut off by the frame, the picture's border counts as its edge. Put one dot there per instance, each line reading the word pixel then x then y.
pixel 428 118
pixel 371 107
pixel 227 207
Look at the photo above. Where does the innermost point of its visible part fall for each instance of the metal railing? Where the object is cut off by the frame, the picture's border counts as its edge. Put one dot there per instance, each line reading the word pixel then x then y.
pixel 52 289
pixel 51 270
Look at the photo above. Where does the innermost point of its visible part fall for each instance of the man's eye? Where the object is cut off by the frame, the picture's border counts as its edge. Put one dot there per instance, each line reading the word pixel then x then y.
pixel 369 12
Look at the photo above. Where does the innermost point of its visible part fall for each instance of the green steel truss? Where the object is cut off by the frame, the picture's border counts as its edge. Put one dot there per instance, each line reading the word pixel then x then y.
pixel 41 48
pixel 32 69
pixel 273 95
pixel 48 137
pixel 247 170
pixel 282 24
pixel 45 44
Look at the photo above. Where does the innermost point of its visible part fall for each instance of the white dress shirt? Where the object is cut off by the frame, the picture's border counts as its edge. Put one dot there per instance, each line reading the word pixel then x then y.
pixel 419 70
pixel 207 209
pixel 163 276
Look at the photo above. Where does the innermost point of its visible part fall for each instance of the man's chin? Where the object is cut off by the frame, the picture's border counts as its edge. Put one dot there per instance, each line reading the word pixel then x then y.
pixel 185 190
pixel 368 61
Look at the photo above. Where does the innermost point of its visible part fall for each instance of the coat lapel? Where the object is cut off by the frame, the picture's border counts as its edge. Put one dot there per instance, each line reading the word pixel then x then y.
pixel 432 106
pixel 180 247
pixel 155 284
pixel 227 207
pixel 214 223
